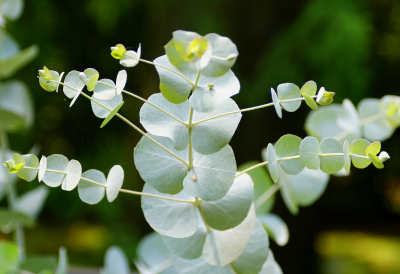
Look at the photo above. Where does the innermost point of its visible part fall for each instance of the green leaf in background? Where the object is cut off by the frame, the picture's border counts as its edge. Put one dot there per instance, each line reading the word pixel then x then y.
pixel 37 263
pixel 223 56
pixel 105 89
pixel 115 261
pixel 224 247
pixel 7 216
pixel 262 182
pixel 91 193
pixel 170 218
pixel 32 202
pixel 276 228
pixel 62 267
pixel 190 247
pixel 308 186
pixel 309 152
pixel 255 254
pixel 357 148
pixel 170 171
pixel 112 104
pixel 275 100
pixel 74 173
pixel 346 156
pixel 233 208
pixel 8 256
pixel 16 106
pixel 114 183
pixel 214 174
pixel 348 118
pixel 322 124
pixel 270 155
pixel 331 164
pixel 59 163
pixel 9 66
pixel 289 91
pixel 288 145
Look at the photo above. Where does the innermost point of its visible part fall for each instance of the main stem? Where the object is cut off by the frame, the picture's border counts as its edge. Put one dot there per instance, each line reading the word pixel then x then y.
pixel 19 236
pixel 191 124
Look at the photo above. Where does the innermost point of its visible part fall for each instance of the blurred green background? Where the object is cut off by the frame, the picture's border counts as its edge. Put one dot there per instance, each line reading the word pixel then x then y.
pixel 351 47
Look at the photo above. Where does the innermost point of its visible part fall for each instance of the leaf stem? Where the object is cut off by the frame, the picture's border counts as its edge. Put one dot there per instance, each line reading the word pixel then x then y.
pixel 155 196
pixel 198 202
pixel 251 168
pixel 288 158
pixel 266 195
pixel 190 148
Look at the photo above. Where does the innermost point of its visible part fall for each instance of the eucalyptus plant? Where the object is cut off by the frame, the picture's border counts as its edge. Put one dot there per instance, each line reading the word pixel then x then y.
pixel 208 216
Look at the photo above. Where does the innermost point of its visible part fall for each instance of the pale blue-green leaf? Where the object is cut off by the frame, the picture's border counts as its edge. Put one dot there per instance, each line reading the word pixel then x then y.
pixel 31 202
pixel 223 55
pixel 275 100
pixel 42 168
pixel 9 255
pixel 233 208
pixel 7 216
pixel 114 183
pixel 190 247
pixel 62 267
pixel 255 254
pixel 11 9
pixel 30 170
pixel 199 266
pixel 73 84
pixel 276 228
pixel 174 88
pixel 262 182
pixel 159 168
pixel 9 46
pixel 59 163
pixel 105 89
pixel 331 163
pixel 378 127
pixel 211 91
pixel 16 106
pixel 308 186
pixel 357 148
pixel 211 136
pixel 115 261
pixel 121 81
pixel 348 118
pixel 153 252
pixel 10 66
pixel 102 112
pixel 346 156
pixel 158 123
pixel 270 156
pixel 74 172
pixel 287 146
pixel 214 175
pixel 287 192
pixel 309 152
pixel 167 217
pixel 91 193
pixel 224 247
pixel 131 58
pixel 289 91
pixel 271 266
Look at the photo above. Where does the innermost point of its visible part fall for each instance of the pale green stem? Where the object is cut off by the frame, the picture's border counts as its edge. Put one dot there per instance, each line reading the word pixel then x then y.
pixel 11 198
pixel 288 158
pixel 129 123
pixel 248 109
pixel 161 66
pixel 191 125
pixel 198 202
pixel 251 168
pixel 266 195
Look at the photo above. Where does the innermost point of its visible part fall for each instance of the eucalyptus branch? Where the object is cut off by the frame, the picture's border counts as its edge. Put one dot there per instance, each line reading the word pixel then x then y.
pixel 251 168
pixel 191 126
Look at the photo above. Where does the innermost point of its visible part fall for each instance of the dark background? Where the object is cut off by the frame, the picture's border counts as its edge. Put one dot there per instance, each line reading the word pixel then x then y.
pixel 351 47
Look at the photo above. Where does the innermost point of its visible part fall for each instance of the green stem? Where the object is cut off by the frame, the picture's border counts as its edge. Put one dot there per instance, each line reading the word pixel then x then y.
pixel 266 195
pixel 288 158
pixel 161 66
pixel 251 168
pixel 191 125
pixel 198 202
pixel 155 196
pixel 11 199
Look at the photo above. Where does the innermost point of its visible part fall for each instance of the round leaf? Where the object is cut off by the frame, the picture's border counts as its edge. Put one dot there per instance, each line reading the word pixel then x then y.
pixel 74 172
pixel 348 118
pixel 73 84
pixel 289 91
pixel 102 112
pixel 288 146
pixel 29 175
pixel 309 88
pixel 276 227
pixel 357 153
pixel 275 100
pixel 105 89
pixel 114 183
pixel 167 217
pixel 59 163
pixel 233 208
pixel 131 58
pixel 309 152
pixel 331 163
pixel 91 193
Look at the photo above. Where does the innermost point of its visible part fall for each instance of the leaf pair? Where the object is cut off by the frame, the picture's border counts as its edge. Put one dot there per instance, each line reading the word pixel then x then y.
pixel 126 58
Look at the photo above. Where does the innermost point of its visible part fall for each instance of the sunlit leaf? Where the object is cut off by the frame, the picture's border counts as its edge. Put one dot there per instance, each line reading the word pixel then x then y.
pixel 105 89
pixel 331 163
pixel 375 160
pixel 121 81
pixel 346 156
pixel 91 193
pixel 59 163
pixel 167 217
pixel 131 58
pixel 288 146
pixel 309 88
pixel 102 112
pixel 11 9
pixel 357 149
pixel 30 170
pixel 9 255
pixel 310 102
pixel 373 148
pixel 114 183
pixel 74 172
pixel 112 114
pixel 11 65
pixel 289 91
pixel 276 227
pixel 309 152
